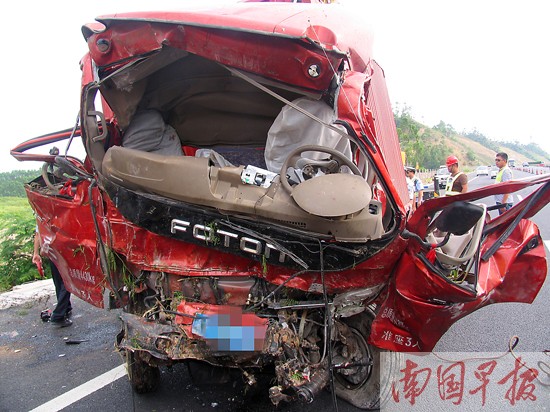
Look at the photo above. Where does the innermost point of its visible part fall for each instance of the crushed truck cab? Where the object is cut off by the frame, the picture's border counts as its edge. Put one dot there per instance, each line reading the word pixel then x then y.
pixel 243 200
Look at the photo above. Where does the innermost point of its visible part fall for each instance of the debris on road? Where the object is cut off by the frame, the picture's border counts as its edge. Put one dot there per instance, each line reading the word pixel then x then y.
pixel 76 341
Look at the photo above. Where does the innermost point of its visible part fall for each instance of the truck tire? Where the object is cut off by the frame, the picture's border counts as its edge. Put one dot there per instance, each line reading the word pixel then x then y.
pixel 367 387
pixel 144 378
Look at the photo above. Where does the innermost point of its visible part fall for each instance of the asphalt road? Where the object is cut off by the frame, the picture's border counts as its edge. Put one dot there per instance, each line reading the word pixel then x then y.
pixel 37 366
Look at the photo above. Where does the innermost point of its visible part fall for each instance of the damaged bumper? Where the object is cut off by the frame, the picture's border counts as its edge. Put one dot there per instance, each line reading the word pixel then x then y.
pixel 201 332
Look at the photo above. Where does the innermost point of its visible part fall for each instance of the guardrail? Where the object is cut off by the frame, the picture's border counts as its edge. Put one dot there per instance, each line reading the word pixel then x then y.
pixel 536 170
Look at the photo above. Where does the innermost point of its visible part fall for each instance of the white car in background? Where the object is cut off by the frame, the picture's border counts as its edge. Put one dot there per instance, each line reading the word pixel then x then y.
pixel 493 172
pixel 441 176
pixel 482 170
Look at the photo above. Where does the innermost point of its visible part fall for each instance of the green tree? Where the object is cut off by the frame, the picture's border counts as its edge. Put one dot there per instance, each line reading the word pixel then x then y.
pixel 470 155
pixel 17 227
pixel 445 129
pixel 12 183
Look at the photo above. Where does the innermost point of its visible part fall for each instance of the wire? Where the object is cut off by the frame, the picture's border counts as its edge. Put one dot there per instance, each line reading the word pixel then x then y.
pixel 77 123
pixel 272 293
pixel 534 372
pixel 328 333
pixel 512 343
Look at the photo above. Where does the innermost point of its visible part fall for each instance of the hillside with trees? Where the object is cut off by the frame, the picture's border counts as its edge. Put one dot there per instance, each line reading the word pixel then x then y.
pixel 428 147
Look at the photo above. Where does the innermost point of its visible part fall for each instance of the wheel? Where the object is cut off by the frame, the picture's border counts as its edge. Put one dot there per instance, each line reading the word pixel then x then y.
pixel 367 382
pixel 337 160
pixel 143 377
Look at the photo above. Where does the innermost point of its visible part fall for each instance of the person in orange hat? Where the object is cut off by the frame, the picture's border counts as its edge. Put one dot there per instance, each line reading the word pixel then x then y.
pixel 457 183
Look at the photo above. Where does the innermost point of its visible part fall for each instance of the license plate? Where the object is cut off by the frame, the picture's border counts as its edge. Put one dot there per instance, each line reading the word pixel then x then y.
pixel 231 330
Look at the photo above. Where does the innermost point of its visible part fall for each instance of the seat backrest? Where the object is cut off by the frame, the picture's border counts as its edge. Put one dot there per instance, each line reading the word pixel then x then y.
pixel 460 249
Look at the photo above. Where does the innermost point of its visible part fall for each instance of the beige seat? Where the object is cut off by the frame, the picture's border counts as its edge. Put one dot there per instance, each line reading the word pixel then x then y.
pixel 460 249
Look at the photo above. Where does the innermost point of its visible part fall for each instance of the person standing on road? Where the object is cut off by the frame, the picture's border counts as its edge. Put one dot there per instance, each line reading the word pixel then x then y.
pixel 410 187
pixel 504 174
pixel 63 310
pixel 417 186
pixel 457 182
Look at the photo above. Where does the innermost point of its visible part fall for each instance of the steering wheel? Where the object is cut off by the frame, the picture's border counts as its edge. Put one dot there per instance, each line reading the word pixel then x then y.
pixel 63 168
pixel 331 166
pixel 46 178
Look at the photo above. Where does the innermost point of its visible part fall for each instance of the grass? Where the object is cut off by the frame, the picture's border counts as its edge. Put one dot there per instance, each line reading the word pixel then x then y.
pixel 13 208
pixel 17 227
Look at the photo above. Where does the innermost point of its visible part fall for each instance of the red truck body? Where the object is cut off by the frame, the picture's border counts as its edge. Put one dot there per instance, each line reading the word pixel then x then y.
pixel 317 265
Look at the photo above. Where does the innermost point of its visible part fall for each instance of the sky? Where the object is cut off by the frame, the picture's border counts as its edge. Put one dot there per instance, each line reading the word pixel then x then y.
pixel 480 65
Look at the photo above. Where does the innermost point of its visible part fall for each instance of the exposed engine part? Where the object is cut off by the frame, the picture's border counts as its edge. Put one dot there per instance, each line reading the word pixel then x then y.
pixel 276 395
pixel 318 381
pixel 250 378
pixel 295 339
pixel 159 285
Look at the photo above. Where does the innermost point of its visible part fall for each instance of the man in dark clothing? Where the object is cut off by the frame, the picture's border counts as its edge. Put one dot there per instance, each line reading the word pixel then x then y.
pixel 63 310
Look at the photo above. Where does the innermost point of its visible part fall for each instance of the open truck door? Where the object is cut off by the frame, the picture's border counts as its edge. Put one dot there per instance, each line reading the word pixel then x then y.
pixel 458 260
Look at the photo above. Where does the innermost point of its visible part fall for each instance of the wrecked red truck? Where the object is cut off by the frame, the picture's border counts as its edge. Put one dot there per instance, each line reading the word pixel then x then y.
pixel 243 200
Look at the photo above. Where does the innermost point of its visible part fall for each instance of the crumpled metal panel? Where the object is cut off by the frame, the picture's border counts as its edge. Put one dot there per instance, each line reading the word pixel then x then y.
pixel 66 229
pixel 421 306
pixel 176 341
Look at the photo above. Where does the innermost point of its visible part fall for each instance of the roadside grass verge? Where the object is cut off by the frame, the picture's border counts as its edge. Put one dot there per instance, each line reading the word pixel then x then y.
pixel 17 227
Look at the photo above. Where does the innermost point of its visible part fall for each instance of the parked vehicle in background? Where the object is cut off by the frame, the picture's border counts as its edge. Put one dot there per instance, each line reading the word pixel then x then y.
pixel 493 172
pixel 244 201
pixel 482 170
pixel 511 163
pixel 525 164
pixel 441 176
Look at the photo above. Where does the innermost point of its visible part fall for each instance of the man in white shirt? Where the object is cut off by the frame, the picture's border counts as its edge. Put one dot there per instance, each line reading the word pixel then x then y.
pixel 504 174
pixel 417 187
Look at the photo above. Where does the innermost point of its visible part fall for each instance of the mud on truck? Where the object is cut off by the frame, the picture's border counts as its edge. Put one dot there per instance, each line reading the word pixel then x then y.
pixel 243 200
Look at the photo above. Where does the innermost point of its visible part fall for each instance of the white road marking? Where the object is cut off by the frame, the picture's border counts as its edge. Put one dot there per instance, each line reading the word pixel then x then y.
pixel 76 394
